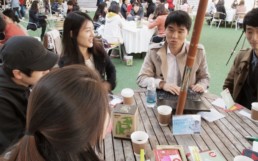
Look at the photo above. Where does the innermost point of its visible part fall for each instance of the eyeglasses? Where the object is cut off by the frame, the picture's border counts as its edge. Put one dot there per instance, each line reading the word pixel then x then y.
pixel 2 35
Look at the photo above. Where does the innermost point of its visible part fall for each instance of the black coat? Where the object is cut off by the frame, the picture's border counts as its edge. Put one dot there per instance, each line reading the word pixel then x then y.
pixel 13 107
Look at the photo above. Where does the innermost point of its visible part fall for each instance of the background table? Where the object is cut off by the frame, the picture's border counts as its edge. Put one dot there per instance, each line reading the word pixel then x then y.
pixel 136 40
pixel 225 135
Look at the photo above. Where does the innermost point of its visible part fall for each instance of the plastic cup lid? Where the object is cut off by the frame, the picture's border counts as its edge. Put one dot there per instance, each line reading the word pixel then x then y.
pixel 164 109
pixel 127 92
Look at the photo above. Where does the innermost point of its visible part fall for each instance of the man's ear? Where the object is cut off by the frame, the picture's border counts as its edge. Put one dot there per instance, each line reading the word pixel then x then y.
pixel 17 74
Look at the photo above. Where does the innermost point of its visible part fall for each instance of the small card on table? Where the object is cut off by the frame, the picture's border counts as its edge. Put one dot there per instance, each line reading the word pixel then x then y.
pixel 186 124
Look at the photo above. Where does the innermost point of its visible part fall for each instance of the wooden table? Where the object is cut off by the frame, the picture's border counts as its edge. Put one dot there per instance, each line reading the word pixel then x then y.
pixel 225 135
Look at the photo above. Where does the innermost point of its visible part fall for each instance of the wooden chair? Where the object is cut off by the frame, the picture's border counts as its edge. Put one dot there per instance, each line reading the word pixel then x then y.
pixel 216 18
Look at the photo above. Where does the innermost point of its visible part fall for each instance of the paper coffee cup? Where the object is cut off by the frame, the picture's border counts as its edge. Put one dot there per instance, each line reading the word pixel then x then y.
pixel 242 158
pixel 164 115
pixel 127 94
pixel 139 140
pixel 128 60
pixel 254 111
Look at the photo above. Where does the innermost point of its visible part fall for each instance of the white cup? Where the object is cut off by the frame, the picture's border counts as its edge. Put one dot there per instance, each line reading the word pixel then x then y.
pixel 164 115
pixel 127 94
pixel 254 113
pixel 139 140
pixel 242 158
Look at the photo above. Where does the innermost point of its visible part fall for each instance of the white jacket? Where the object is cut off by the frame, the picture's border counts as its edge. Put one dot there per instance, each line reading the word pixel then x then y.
pixel 113 28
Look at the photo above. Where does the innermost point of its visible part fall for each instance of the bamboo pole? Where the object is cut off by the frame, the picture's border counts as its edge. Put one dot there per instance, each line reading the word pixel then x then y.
pixel 191 55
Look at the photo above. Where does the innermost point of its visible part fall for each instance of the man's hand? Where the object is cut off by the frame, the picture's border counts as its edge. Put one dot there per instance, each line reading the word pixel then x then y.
pixel 198 88
pixel 172 88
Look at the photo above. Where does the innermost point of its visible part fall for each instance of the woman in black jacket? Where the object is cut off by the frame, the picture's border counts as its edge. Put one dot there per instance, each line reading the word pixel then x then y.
pixel 35 18
pixel 81 47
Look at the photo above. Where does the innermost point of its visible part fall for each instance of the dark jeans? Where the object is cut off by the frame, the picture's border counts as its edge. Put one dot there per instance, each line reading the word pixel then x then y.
pixel 22 10
pixel 17 12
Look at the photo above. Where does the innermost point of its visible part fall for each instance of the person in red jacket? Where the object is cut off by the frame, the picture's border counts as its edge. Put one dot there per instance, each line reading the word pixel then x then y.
pixel 171 5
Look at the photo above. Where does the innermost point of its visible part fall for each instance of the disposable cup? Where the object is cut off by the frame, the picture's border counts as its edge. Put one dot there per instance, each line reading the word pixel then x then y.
pixel 127 94
pixel 242 158
pixel 164 115
pixel 139 140
pixel 254 112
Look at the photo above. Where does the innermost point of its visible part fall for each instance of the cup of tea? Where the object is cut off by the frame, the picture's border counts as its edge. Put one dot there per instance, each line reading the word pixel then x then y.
pixel 242 158
pixel 139 140
pixel 254 111
pixel 164 115
pixel 127 94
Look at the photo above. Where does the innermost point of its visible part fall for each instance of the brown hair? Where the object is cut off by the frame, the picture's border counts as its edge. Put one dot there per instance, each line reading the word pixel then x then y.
pixel 160 10
pixel 65 117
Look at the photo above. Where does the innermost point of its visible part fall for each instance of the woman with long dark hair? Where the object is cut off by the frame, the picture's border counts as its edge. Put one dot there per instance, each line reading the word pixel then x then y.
pixel 61 111
pixel 81 47
pixel 100 14
pixel 36 19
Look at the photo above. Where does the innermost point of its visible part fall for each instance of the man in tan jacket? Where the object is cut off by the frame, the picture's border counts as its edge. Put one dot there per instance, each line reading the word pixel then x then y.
pixel 242 79
pixel 165 62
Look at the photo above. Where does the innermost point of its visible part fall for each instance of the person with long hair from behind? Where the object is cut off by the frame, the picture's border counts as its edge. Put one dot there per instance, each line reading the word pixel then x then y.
pixel 61 109
pixel 100 14
pixel 160 16
pixel 81 47
pixel 35 18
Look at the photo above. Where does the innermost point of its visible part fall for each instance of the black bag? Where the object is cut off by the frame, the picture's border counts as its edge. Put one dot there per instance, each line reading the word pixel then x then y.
pixel 32 27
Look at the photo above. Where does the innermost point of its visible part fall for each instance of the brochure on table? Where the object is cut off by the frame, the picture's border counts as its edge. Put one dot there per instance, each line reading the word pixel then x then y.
pixel 226 102
pixel 186 124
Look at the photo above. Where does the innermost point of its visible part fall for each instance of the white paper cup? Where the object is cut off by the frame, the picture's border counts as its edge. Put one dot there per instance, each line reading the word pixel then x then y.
pixel 128 60
pixel 127 94
pixel 164 115
pixel 139 140
pixel 254 111
pixel 242 158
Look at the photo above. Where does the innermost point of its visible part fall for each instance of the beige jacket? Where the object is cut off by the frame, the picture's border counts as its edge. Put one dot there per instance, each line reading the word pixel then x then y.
pixel 155 65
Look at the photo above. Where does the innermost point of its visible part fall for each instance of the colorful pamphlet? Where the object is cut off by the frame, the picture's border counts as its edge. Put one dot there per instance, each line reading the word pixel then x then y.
pixel 167 155
pixel 186 124
pixel 227 103
pixel 171 149
pixel 211 155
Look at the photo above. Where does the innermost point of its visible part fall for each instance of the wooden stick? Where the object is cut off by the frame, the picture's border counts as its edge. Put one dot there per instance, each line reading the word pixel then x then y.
pixel 191 55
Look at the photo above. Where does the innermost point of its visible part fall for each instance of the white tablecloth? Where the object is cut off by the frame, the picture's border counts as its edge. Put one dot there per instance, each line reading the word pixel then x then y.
pixel 136 40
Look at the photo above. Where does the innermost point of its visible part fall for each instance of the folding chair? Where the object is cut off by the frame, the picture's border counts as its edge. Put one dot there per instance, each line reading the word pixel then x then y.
pixel 216 18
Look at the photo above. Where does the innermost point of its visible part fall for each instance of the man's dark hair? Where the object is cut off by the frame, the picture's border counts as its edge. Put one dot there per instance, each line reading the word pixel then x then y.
pixel 114 7
pixel 179 17
pixel 10 13
pixel 251 18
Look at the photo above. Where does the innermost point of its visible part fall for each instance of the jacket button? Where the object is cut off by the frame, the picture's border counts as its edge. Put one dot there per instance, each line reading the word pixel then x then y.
pixel 161 75
pixel 240 84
